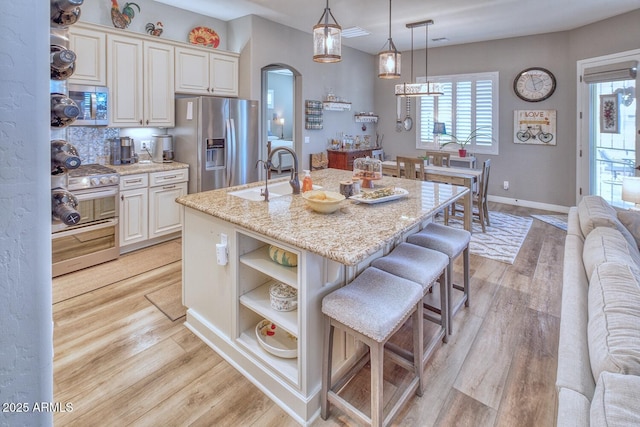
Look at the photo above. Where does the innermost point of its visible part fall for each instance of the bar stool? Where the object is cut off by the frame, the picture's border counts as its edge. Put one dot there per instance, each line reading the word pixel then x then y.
pixel 423 266
pixel 372 308
pixel 451 242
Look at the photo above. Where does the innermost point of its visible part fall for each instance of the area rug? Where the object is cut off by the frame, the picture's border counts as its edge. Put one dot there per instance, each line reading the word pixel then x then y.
pixel 128 265
pixel 502 240
pixel 559 221
pixel 169 301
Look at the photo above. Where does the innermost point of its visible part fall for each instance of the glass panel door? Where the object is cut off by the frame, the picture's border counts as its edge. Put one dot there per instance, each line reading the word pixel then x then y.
pixel 612 135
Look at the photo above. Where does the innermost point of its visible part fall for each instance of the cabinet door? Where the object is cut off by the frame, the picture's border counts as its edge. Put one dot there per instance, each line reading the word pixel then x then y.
pixel 133 216
pixel 192 71
pixel 224 75
pixel 89 46
pixel 124 78
pixel 165 215
pixel 159 90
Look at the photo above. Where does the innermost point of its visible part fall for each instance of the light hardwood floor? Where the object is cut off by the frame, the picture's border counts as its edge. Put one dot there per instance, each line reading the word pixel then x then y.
pixel 120 361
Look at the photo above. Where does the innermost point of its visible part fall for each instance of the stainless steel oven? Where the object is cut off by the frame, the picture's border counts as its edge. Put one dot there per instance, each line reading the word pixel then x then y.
pixel 94 239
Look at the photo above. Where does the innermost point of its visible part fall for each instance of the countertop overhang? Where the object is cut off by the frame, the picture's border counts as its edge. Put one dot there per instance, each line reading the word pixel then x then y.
pixel 147 167
pixel 348 235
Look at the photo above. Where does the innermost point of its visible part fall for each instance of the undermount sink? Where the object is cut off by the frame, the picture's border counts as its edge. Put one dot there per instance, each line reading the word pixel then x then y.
pixel 275 190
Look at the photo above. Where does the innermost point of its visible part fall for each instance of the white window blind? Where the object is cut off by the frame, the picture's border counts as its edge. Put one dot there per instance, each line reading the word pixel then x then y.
pixel 475 107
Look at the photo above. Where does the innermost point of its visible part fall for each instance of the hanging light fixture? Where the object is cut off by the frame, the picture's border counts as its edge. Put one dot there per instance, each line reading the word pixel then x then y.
pixel 327 38
pixel 389 61
pixel 419 89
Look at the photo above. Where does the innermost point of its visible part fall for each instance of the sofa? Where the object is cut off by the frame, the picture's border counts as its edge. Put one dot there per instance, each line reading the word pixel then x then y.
pixel 598 376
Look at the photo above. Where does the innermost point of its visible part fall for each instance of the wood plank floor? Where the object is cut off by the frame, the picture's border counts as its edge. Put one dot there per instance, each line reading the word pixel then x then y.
pixel 120 361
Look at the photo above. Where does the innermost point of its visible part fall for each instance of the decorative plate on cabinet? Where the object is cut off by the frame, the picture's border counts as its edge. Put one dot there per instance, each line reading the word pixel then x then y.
pixel 276 340
pixel 204 36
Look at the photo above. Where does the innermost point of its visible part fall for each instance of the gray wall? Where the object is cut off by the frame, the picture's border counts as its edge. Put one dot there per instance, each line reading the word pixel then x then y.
pixel 536 173
pixel 26 336
pixel 352 78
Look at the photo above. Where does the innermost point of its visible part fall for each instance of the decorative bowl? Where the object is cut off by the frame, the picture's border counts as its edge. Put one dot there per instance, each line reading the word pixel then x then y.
pixel 283 257
pixel 323 201
pixel 283 297
pixel 276 340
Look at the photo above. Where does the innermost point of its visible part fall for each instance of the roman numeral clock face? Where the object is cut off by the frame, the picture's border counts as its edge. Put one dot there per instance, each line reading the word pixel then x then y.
pixel 534 84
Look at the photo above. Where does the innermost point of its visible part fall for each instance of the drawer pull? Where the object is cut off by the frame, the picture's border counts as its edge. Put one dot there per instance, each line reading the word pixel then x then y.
pixel 170 177
pixel 168 187
pixel 132 181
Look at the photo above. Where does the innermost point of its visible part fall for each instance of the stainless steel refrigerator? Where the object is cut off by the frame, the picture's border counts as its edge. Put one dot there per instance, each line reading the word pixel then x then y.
pixel 219 139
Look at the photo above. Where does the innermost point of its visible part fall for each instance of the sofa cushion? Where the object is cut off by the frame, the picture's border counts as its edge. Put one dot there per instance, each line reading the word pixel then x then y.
pixel 631 221
pixel 607 245
pixel 614 319
pixel 594 211
pixel 616 401
pixel 573 223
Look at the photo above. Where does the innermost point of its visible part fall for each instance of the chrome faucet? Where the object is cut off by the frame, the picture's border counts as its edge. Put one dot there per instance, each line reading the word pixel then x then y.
pixel 294 182
pixel 265 191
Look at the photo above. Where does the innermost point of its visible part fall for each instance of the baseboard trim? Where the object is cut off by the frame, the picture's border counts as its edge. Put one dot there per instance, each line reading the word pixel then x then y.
pixel 529 204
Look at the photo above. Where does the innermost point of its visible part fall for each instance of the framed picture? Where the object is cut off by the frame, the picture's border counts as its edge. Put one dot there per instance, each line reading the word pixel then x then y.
pixel 534 127
pixel 610 113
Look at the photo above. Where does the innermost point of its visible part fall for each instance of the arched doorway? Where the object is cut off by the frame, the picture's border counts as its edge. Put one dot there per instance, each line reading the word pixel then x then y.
pixel 280 115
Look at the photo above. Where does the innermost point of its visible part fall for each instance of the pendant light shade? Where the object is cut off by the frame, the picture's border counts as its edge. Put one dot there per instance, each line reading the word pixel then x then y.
pixel 327 38
pixel 419 89
pixel 389 61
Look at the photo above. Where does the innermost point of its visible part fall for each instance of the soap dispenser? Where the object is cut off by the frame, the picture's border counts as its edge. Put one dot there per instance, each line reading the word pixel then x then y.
pixel 307 184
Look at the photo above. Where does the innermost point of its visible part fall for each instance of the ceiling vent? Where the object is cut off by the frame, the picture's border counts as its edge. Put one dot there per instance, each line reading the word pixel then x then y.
pixel 351 32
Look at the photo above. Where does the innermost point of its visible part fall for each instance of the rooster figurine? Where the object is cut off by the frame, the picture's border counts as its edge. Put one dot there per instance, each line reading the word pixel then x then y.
pixel 154 30
pixel 122 19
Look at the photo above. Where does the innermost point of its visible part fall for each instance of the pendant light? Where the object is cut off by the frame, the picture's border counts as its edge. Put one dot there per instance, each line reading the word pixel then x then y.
pixel 419 89
pixel 389 61
pixel 327 39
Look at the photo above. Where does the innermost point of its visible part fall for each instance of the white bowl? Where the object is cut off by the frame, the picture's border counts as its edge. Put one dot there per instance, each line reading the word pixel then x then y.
pixel 283 297
pixel 276 340
pixel 323 201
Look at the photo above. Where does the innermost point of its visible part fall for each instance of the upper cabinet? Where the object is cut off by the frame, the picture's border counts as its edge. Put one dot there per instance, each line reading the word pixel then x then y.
pixel 206 73
pixel 140 75
pixel 89 46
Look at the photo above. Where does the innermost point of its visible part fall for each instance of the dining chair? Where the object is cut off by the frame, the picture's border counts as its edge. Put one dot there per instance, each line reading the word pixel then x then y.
pixel 438 158
pixel 480 208
pixel 378 154
pixel 410 168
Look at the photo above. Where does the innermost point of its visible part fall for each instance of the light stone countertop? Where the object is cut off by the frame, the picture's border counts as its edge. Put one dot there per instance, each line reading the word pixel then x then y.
pixel 348 235
pixel 135 168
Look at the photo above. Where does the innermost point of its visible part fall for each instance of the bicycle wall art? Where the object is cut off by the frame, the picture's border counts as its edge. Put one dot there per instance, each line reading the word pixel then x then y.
pixel 534 127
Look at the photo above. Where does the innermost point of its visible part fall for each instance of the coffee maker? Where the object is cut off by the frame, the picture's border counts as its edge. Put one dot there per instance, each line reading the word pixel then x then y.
pixel 123 151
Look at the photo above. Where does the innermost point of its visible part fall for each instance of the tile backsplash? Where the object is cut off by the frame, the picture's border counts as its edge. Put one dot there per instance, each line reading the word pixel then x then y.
pixel 92 143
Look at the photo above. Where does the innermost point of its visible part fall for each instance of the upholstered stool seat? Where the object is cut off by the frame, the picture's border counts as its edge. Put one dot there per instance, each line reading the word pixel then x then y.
pixel 372 308
pixel 451 242
pixel 423 266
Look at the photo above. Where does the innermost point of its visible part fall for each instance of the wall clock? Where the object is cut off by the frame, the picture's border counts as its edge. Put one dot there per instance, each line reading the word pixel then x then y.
pixel 534 84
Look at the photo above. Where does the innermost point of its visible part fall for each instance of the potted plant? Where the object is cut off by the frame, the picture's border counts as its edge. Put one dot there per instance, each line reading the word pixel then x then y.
pixel 462 142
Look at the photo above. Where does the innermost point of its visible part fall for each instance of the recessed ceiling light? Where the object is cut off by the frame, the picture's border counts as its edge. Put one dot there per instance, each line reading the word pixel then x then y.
pixel 351 32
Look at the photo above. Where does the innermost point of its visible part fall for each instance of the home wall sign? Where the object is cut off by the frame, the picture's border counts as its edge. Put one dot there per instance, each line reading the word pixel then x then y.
pixel 610 113
pixel 534 127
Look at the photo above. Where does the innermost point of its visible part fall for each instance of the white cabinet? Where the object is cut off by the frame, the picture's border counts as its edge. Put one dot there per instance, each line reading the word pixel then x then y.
pixel 165 215
pixel 206 73
pixel 134 209
pixel 140 74
pixel 89 47
pixel 148 210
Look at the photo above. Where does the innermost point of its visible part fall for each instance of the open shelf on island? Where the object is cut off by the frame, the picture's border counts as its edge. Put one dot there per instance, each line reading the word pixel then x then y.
pixel 258 300
pixel 287 368
pixel 259 259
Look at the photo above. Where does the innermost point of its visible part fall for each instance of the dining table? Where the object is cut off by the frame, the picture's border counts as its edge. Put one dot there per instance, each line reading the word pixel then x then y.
pixel 466 177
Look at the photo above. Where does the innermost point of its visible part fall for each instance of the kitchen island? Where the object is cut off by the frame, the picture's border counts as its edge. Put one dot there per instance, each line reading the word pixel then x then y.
pixel 228 296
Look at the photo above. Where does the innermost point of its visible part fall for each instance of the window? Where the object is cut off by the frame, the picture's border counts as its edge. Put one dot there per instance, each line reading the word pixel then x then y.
pixel 470 101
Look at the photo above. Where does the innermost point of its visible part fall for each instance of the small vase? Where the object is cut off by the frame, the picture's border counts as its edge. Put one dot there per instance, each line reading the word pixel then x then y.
pixel 462 152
